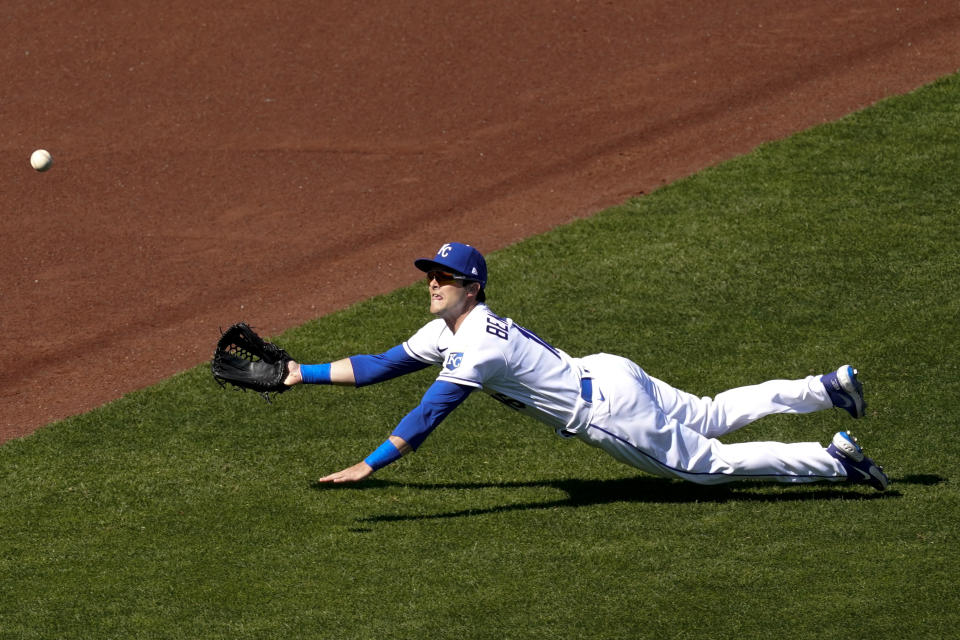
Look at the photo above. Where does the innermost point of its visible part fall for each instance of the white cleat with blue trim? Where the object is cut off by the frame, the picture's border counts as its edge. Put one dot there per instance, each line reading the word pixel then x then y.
pixel 860 468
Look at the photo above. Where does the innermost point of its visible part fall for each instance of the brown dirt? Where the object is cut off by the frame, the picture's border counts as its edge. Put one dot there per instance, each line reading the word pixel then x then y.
pixel 275 163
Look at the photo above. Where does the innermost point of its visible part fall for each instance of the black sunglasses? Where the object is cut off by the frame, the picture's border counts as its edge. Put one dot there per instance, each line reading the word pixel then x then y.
pixel 444 277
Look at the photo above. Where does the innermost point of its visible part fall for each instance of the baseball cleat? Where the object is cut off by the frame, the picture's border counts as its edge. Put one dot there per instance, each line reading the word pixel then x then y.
pixel 845 390
pixel 860 468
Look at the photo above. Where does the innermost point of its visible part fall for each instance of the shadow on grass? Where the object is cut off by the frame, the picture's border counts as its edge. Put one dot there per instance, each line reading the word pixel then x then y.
pixel 641 489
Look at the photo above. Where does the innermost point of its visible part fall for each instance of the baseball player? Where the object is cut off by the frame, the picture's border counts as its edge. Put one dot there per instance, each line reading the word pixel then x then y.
pixel 604 400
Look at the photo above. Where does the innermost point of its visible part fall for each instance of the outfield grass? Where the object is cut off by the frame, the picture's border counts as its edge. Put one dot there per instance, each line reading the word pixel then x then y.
pixel 185 511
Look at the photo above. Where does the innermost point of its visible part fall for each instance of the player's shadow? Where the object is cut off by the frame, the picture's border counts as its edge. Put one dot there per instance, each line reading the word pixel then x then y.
pixel 640 489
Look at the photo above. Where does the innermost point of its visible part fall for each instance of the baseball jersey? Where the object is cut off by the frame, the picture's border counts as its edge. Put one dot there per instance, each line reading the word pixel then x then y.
pixel 510 363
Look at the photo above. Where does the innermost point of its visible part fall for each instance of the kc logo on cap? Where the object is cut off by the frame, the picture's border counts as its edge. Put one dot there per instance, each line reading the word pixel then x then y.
pixel 457 257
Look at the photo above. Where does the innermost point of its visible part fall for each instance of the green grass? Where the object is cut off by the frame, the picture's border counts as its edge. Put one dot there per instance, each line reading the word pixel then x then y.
pixel 185 511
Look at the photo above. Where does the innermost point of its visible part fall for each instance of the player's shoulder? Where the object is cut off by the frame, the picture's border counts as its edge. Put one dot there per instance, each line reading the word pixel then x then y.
pixel 437 332
pixel 478 319
pixel 435 326
pixel 482 327
pixel 429 342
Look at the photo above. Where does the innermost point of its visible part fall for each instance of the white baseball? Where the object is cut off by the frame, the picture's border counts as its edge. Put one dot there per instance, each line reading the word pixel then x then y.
pixel 41 160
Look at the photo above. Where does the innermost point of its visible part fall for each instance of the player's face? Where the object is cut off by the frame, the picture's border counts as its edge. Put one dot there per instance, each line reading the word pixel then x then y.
pixel 448 295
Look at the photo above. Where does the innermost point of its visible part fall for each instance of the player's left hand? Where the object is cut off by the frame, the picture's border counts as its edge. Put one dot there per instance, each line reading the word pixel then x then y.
pixel 355 473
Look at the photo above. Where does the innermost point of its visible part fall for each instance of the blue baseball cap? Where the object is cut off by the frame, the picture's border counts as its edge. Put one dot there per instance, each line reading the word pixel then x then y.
pixel 459 258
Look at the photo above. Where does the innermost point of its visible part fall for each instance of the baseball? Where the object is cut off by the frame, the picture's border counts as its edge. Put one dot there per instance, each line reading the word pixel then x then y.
pixel 41 160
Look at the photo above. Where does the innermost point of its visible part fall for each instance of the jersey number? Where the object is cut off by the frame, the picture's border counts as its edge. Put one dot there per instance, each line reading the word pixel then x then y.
pixel 516 405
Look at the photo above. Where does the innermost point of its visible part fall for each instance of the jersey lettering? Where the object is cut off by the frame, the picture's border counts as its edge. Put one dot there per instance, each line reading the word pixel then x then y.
pixel 497 326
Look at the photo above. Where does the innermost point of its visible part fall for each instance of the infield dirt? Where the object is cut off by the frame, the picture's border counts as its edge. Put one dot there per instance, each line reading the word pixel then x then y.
pixel 274 163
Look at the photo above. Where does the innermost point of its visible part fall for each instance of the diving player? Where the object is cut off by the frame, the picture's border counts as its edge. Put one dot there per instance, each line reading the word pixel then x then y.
pixel 604 400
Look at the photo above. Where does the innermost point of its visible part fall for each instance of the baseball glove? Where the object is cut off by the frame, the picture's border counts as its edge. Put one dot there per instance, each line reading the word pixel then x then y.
pixel 247 361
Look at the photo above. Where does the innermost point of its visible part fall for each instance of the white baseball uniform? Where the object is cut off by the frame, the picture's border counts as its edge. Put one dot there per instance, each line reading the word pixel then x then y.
pixel 611 403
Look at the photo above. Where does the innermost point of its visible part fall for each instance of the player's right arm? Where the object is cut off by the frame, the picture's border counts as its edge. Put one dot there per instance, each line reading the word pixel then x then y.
pixel 363 470
pixel 437 403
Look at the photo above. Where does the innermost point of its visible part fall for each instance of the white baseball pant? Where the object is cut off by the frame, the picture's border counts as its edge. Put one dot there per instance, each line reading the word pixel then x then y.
pixel 646 423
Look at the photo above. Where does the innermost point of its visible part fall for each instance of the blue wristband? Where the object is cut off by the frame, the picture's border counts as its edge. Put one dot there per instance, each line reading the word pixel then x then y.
pixel 315 373
pixel 384 455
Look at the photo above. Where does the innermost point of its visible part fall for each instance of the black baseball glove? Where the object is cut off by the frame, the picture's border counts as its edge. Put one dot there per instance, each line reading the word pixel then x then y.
pixel 247 361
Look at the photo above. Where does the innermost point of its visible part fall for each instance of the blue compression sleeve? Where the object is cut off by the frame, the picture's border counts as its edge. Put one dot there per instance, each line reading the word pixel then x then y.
pixel 369 369
pixel 437 403
pixel 384 455
pixel 315 373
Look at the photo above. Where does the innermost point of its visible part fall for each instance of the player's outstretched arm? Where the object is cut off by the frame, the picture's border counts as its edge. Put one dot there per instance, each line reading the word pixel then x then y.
pixel 358 371
pixel 440 399
pixel 356 473
pixel 362 470
pixel 341 373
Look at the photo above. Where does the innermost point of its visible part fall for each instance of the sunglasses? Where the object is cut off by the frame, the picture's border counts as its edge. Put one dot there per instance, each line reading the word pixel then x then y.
pixel 443 277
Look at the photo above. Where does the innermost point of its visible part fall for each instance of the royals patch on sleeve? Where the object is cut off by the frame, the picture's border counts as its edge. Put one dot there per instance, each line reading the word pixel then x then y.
pixel 453 360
